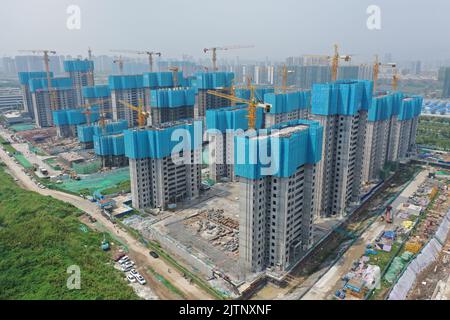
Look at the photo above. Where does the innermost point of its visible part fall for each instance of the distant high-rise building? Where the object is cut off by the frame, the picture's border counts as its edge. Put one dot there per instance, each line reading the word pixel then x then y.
pixel 365 72
pixel 446 88
pixel 348 72
pixel 8 65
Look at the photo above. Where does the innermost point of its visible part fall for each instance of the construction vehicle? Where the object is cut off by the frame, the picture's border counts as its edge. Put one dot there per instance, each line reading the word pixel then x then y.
pixel 335 58
pixel 376 71
pixel 150 55
pixel 214 53
pixel 52 93
pixel 142 115
pixel 252 103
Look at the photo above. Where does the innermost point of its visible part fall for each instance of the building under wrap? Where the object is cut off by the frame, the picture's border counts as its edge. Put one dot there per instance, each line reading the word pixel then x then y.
pixel 277 196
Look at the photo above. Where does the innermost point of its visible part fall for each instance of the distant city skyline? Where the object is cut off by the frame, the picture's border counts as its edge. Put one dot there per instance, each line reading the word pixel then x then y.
pixel 410 29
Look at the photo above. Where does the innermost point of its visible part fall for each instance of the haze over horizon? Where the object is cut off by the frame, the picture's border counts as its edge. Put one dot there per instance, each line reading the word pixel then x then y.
pixel 410 29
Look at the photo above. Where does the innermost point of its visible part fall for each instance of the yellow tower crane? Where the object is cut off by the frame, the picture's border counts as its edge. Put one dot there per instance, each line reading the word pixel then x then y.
pixel 376 72
pixel 214 53
pixel 253 103
pixel 142 115
pixel 88 111
pixel 52 93
pixel 149 53
pixel 335 58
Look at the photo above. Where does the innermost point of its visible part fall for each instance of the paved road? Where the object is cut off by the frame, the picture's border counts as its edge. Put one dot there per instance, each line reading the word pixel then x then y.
pixel 191 291
pixel 328 284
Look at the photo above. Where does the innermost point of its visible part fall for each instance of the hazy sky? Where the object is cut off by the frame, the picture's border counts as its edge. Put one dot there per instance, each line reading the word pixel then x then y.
pixel 410 29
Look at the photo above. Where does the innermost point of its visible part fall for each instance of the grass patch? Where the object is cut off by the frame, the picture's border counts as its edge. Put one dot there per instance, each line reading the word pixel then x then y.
pixel 121 186
pixel 40 237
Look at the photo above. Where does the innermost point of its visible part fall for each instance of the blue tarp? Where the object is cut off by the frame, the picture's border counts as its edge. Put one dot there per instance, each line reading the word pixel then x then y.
pixel 57 83
pixel 121 82
pixel 158 143
pixel 111 145
pixel 86 133
pixel 288 102
pixel 341 97
pixel 291 151
pixel 78 65
pixel 74 116
pixel 172 98
pixel 24 77
pixel 410 108
pixel 259 93
pixel 157 80
pixel 213 80
pixel 232 118
pixel 95 92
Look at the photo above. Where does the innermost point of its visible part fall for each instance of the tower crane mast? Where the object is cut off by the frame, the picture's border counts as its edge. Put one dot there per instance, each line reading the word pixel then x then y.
pixel 214 53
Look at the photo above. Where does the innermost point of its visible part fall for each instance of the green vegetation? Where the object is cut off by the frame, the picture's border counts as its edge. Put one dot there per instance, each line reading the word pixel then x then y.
pixel 121 186
pixel 40 237
pixel 434 132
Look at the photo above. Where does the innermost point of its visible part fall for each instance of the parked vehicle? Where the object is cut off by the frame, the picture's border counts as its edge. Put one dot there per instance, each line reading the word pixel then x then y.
pixel 141 279
pixel 131 278
pixel 134 272
pixel 123 259
pixel 154 254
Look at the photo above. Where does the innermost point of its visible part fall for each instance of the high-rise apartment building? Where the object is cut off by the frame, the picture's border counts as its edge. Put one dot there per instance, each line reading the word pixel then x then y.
pixel 278 196
pixel 24 78
pixel 216 81
pixel 100 96
pixel 81 72
pixel 162 175
pixel 341 108
pixel 167 105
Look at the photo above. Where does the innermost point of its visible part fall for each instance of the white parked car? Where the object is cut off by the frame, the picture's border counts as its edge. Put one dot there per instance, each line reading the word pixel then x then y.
pixel 131 278
pixel 141 279
pixel 124 259
pixel 128 264
pixel 125 268
pixel 134 272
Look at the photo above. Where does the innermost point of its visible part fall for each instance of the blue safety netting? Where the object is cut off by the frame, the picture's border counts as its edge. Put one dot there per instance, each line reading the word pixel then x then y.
pixel 286 153
pixel 86 133
pixel 172 98
pixel 74 116
pixel 78 65
pixel 258 93
pixel 109 145
pixel 121 82
pixel 232 118
pixel 341 97
pixel 213 80
pixel 410 108
pixel 24 77
pixel 57 83
pixel 288 102
pixel 159 143
pixel 95 92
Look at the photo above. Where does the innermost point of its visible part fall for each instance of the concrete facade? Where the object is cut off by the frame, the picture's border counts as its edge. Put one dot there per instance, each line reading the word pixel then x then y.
pixel 65 99
pixel 122 112
pixel 206 101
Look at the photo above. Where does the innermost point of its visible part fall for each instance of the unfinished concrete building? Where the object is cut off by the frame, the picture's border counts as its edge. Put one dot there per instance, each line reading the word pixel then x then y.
pixel 341 108
pixel 81 72
pixel 24 78
pixel 66 121
pixel 223 125
pixel 86 133
pixel 168 105
pixel 129 88
pixel 216 81
pixel 100 95
pixel 64 98
pixel 111 150
pixel 158 178
pixel 275 227
pixel 286 107
pixel 408 118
